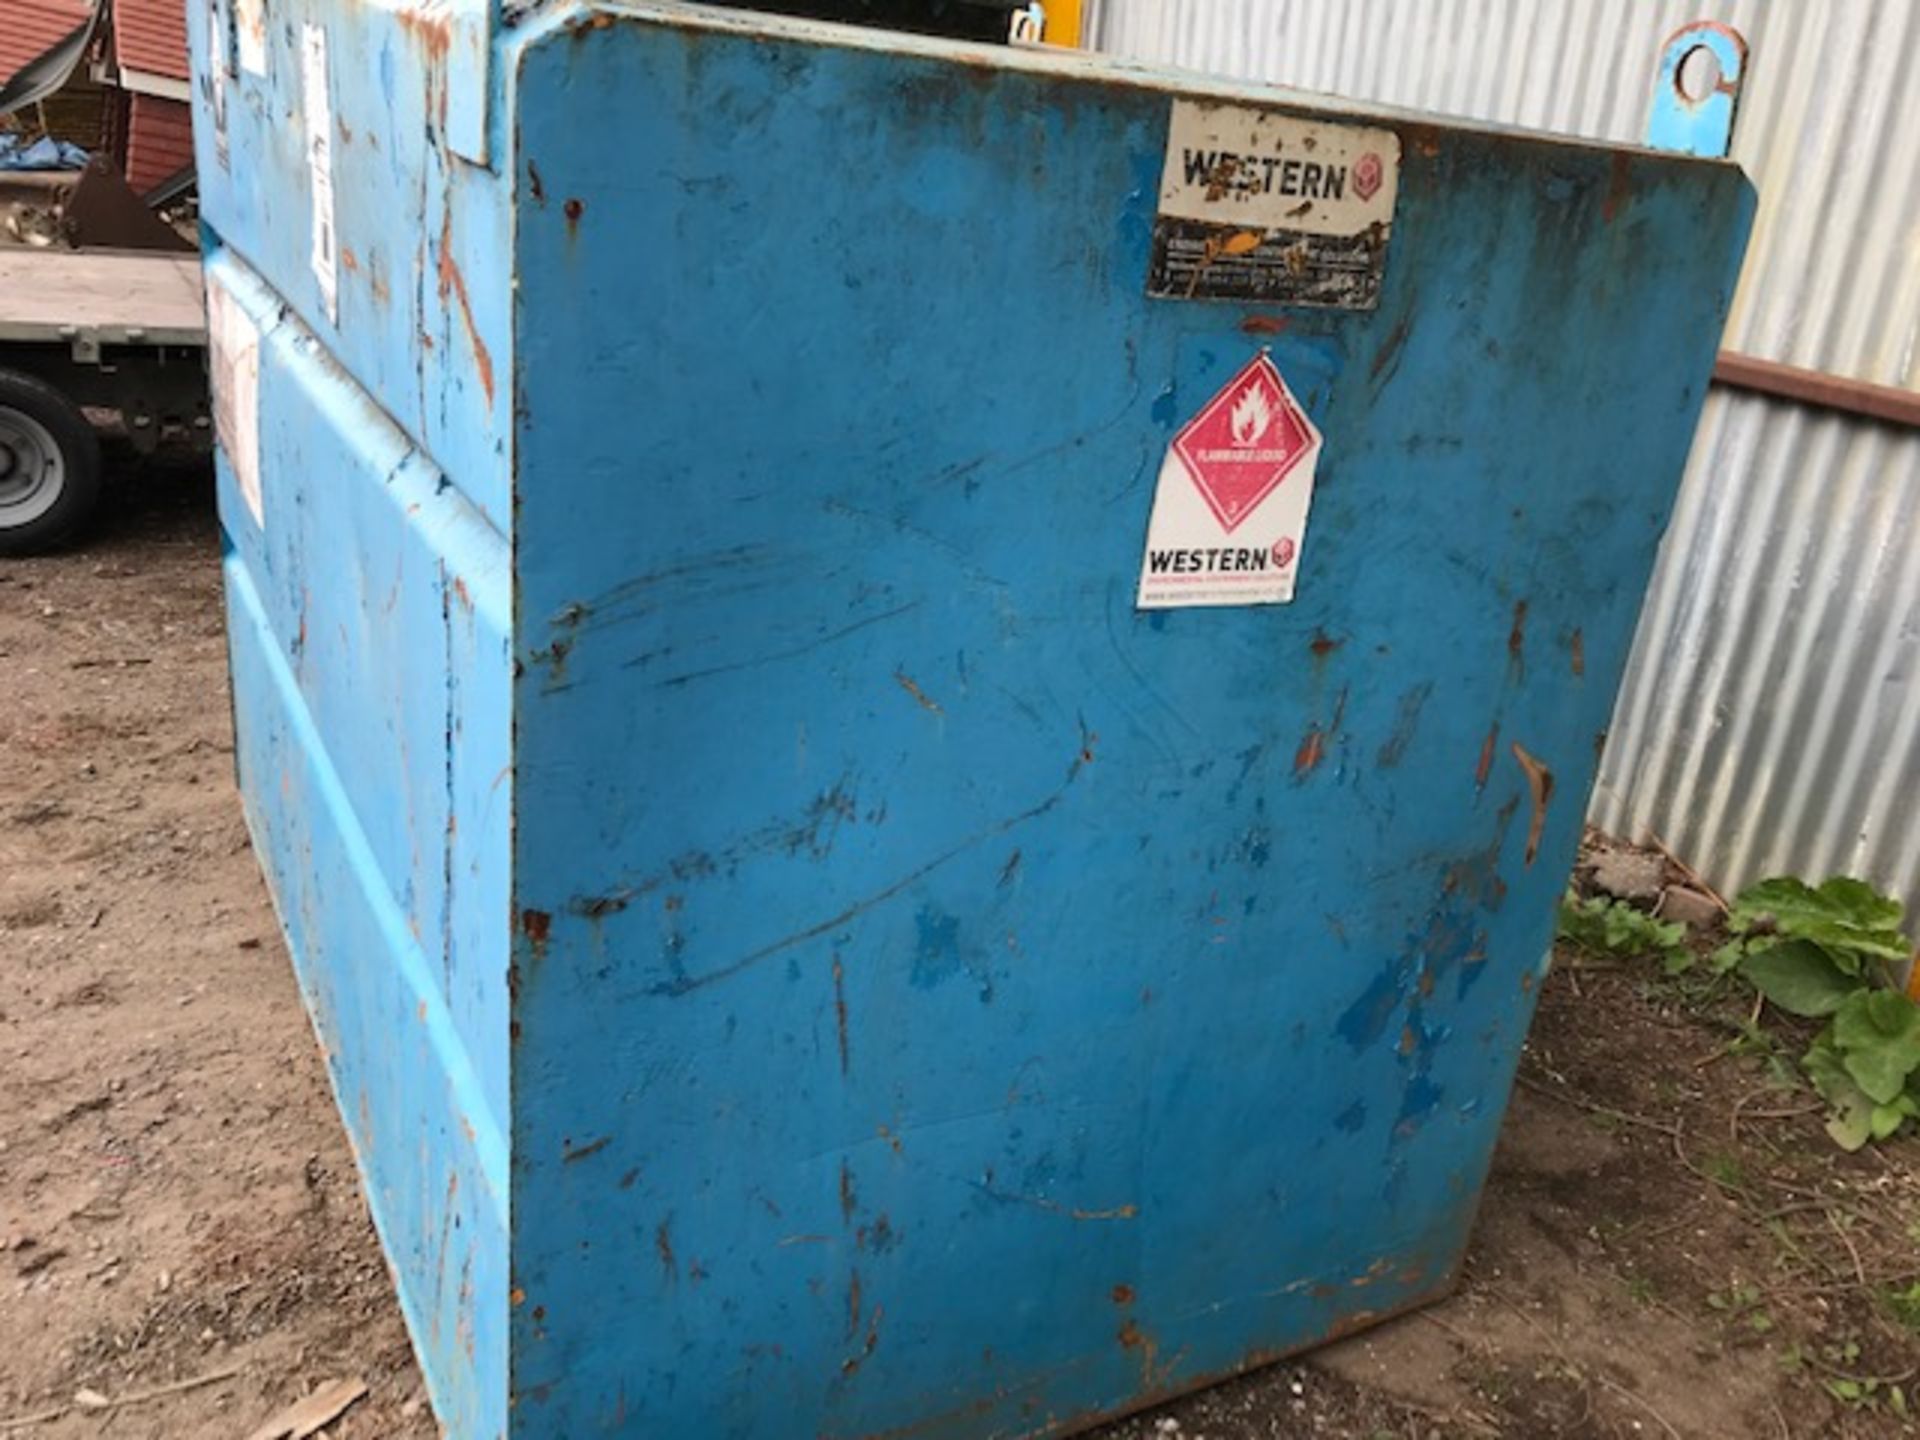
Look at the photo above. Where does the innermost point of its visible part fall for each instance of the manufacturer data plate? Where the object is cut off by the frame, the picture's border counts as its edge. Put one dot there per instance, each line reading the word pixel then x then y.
pixel 1264 207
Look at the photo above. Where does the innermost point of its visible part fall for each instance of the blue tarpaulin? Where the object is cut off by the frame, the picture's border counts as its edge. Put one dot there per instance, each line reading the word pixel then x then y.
pixel 46 153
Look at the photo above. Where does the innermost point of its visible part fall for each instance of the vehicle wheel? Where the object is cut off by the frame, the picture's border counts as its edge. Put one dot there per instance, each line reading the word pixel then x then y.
pixel 49 466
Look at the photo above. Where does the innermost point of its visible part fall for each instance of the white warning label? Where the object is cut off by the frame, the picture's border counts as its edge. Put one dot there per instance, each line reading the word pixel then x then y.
pixel 234 374
pixel 1230 510
pixel 319 110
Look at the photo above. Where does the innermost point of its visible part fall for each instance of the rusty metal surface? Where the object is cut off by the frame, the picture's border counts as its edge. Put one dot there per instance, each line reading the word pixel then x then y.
pixel 1858 398
pixel 410 216
pixel 366 610
pixel 950 1001
pixel 368 588
pixel 798 952
pixel 102 212
pixel 1770 719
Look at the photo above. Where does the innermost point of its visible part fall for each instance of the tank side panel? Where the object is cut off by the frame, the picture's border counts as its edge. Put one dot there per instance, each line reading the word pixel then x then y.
pixel 949 1000
pixel 366 612
pixel 420 290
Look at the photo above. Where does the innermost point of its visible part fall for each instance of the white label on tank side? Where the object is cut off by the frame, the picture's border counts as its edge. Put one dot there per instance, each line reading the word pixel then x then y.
pixel 217 81
pixel 250 21
pixel 1230 509
pixel 1262 169
pixel 235 375
pixel 1259 207
pixel 319 113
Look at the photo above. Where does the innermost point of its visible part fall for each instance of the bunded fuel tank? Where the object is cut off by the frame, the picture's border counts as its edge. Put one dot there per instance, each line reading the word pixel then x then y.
pixel 916 708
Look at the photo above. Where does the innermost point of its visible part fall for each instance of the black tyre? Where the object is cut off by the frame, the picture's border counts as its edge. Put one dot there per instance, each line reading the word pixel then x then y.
pixel 49 466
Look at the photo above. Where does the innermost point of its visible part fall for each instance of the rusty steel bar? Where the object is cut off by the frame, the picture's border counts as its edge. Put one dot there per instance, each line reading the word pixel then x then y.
pixel 1889 403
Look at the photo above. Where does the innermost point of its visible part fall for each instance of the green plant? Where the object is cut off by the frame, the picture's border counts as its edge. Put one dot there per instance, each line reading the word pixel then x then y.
pixel 1868 1394
pixel 1737 1297
pixel 1611 928
pixel 1829 953
pixel 1726 1171
pixel 1904 1305
pixel 1741 1302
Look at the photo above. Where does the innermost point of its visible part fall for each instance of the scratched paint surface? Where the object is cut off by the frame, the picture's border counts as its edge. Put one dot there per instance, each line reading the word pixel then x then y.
pixel 949 1002
pixel 425 340
pixel 367 623
pixel 796 951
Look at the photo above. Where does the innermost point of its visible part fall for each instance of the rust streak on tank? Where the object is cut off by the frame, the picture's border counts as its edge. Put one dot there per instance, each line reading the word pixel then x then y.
pixel 1118 1212
pixel 1577 653
pixel 1540 783
pixel 433 31
pixel 847 1198
pixel 663 1245
pixel 852 1362
pixel 1619 181
pixel 1311 750
pixel 573 210
pixel 1348 1324
pixel 1264 324
pixel 1485 768
pixel 1517 636
pixel 840 1010
pixel 921 698
pixel 537 925
pixel 453 283
pixel 1132 1337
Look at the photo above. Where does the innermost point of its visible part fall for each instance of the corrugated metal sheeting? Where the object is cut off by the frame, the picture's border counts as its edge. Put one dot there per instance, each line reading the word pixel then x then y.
pixel 1770 719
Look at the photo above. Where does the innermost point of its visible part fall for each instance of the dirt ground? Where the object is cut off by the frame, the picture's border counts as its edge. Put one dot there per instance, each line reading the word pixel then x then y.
pixel 1669 1247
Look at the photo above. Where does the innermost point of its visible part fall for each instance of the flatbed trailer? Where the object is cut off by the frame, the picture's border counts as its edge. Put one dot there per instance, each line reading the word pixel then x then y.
pixel 95 330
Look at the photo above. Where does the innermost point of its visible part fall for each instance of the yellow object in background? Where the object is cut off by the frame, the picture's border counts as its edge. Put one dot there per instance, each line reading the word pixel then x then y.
pixel 1063 22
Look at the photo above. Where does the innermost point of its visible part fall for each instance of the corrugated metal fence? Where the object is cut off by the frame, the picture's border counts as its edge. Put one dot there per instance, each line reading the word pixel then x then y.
pixel 1770 719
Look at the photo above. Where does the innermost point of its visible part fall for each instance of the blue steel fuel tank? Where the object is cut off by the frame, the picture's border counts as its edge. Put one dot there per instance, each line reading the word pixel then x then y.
pixel 864 862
